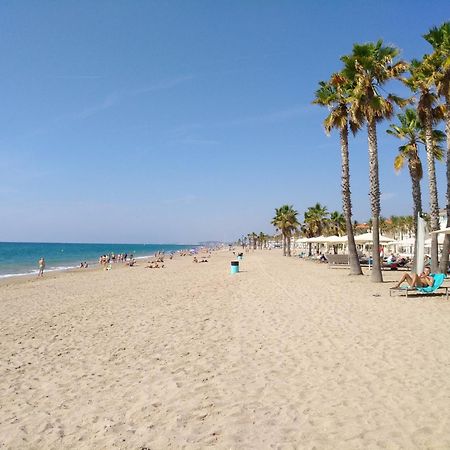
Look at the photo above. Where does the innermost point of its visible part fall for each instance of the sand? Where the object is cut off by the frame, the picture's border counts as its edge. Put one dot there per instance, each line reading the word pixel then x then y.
pixel 286 354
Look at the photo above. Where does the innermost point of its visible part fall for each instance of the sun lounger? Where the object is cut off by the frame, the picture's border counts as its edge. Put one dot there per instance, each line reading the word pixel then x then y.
pixel 335 261
pixel 417 291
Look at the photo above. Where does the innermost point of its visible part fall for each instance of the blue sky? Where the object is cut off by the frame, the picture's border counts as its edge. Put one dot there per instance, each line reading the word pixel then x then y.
pixel 180 121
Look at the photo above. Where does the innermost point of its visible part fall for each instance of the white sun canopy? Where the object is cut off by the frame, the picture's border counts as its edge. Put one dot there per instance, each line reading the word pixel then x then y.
pixel 443 231
pixel 367 238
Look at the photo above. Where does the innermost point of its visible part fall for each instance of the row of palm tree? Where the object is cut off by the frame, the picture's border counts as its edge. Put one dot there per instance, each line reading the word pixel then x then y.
pixel 285 220
pixel 318 221
pixel 255 240
pixel 356 98
pixel 412 132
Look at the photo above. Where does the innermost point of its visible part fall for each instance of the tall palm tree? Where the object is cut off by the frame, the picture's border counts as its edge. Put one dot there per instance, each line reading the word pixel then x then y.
pixel 278 221
pixel 335 95
pixel 369 67
pixel 421 81
pixel 411 131
pixel 286 221
pixel 439 38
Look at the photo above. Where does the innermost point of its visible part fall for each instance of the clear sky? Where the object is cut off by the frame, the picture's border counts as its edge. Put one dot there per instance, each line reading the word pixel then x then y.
pixel 180 121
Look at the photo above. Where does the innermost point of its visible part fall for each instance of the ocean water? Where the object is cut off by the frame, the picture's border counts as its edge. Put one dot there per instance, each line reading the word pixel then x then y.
pixel 21 258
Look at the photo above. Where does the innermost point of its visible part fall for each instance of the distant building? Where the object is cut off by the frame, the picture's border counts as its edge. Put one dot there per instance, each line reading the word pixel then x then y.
pixel 361 228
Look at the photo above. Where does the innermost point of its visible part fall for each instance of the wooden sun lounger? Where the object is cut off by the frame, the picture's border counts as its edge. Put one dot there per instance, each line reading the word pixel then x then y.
pixel 336 261
pixel 409 291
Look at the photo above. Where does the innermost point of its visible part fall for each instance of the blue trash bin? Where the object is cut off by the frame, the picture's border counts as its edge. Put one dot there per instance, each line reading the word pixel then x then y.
pixel 234 267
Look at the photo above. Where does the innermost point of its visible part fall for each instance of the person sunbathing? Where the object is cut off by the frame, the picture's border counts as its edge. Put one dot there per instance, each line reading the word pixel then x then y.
pixel 414 280
pixel 154 265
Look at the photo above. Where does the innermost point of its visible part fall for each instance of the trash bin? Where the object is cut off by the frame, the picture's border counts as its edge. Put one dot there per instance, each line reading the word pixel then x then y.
pixel 240 256
pixel 234 266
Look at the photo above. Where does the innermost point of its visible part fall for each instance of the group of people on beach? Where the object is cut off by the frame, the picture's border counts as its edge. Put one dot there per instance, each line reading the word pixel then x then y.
pixel 106 260
pixel 202 260
pixel 113 258
pixel 158 261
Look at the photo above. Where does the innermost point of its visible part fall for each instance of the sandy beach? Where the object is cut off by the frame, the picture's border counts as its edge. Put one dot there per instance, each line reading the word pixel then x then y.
pixel 287 354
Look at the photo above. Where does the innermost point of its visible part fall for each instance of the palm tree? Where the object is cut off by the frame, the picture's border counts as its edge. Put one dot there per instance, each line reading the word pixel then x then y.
pixel 337 223
pixel 385 225
pixel 262 238
pixel 412 132
pixel 422 81
pixel 335 95
pixel 369 67
pixel 315 222
pixel 439 38
pixel 254 239
pixel 409 225
pixel 315 217
pixel 409 130
pixel 396 225
pixel 285 220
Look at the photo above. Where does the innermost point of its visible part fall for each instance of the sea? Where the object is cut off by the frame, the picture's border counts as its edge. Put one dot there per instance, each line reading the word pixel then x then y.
pixel 21 258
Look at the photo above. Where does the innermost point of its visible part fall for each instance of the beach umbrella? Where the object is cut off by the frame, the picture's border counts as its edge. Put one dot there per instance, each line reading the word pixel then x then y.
pixel 404 242
pixel 441 237
pixel 443 231
pixel 318 239
pixel 337 239
pixel 441 234
pixel 367 238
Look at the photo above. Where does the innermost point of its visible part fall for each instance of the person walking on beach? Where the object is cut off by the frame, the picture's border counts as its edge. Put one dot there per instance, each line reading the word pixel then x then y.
pixel 41 267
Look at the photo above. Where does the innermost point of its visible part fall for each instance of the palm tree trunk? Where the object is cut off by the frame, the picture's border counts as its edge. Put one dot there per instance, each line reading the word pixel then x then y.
pixel 355 266
pixel 417 202
pixel 443 266
pixel 284 244
pixel 376 275
pixel 434 206
pixel 289 245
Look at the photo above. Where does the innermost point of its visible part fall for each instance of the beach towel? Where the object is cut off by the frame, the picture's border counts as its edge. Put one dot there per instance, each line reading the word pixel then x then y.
pixel 438 280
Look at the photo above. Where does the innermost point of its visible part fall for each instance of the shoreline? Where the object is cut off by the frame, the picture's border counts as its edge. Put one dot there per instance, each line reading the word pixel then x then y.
pixel 91 263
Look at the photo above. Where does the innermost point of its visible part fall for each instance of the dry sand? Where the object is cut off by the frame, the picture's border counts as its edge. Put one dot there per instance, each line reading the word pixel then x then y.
pixel 287 354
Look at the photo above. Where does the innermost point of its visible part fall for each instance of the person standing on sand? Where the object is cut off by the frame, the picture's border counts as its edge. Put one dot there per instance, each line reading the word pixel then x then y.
pixel 41 267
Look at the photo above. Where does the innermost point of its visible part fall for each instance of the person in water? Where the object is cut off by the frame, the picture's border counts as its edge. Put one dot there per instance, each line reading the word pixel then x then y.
pixel 423 280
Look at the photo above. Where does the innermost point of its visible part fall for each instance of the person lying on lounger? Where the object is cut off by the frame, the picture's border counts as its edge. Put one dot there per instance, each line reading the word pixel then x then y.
pixel 414 280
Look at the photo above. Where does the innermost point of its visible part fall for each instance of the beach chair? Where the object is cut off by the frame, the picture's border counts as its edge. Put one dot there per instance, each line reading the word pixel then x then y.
pixel 336 261
pixel 417 291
